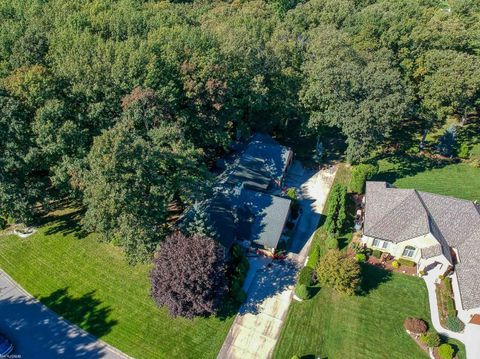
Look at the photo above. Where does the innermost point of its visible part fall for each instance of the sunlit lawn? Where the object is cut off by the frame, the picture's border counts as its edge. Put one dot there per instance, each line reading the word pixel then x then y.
pixel 90 283
pixel 367 326
pixel 458 180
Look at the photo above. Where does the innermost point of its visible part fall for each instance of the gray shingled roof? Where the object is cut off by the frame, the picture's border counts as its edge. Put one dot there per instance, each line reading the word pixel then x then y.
pixel 432 251
pixel 397 215
pixel 269 212
pixel 263 161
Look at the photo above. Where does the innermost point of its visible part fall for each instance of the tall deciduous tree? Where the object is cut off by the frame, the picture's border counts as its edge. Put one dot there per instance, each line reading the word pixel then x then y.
pixel 21 184
pixel 189 275
pixel 362 94
pixel 131 178
pixel 450 83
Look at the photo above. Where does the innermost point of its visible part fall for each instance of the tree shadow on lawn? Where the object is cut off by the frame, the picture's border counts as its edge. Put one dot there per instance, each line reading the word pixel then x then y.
pixel 65 224
pixel 405 165
pixel 372 278
pixel 37 333
pixel 85 311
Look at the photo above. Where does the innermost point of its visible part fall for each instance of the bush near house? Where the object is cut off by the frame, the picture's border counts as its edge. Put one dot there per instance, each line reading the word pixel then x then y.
pixel 445 351
pixel 360 174
pixel 295 206
pixel 376 253
pixel 415 325
pixel 237 272
pixel 336 214
pixel 406 262
pixel 454 324
pixel 361 257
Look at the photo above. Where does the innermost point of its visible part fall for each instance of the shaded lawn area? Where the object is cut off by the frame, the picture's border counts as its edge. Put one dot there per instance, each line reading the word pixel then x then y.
pixel 459 180
pixel 368 326
pixel 90 284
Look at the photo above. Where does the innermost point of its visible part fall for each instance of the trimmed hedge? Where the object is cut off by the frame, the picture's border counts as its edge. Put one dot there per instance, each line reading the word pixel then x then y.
pixel 377 253
pixel 336 214
pixel 360 174
pixel 331 242
pixel 314 256
pixel 302 292
pixel 240 265
pixel 406 262
pixel 305 276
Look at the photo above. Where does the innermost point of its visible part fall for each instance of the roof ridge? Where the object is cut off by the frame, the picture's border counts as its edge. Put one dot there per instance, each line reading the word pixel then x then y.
pixel 427 211
pixel 446 196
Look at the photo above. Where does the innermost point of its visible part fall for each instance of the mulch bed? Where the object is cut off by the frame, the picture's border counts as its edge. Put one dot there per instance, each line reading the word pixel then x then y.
pixel 388 266
pixel 416 338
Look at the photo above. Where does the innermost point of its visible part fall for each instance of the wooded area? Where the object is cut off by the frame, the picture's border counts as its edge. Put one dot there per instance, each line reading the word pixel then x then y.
pixel 119 106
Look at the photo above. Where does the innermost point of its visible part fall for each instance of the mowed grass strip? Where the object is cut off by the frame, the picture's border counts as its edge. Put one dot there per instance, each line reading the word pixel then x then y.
pixel 368 326
pixel 459 180
pixel 89 283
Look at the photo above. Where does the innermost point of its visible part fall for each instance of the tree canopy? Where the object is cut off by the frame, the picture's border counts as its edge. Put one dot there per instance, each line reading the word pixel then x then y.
pixel 98 97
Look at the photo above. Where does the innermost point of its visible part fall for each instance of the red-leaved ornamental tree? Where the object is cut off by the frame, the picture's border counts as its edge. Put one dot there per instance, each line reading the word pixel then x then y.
pixel 189 275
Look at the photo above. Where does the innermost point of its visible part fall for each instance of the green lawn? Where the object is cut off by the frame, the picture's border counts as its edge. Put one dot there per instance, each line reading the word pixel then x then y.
pixel 90 284
pixel 368 326
pixel 458 180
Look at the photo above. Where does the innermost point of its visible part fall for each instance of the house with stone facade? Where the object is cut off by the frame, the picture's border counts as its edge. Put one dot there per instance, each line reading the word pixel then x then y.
pixel 430 230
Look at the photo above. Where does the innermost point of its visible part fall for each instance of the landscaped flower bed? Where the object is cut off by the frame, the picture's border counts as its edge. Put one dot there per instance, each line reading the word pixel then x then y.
pixel 428 340
pixel 446 305
pixel 381 259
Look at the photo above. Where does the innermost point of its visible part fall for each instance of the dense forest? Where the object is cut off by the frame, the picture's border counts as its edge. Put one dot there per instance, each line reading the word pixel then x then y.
pixel 119 106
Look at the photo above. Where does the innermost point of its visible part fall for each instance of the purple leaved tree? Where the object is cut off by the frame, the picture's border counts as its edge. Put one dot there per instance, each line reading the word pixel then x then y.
pixel 189 275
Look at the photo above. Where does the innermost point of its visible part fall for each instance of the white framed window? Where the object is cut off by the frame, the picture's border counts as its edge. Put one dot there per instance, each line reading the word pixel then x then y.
pixel 380 244
pixel 409 251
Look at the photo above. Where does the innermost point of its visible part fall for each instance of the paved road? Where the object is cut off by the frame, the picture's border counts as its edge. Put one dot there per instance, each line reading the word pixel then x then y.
pixel 38 333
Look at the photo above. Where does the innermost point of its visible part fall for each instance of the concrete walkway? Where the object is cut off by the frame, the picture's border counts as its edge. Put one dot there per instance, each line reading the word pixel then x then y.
pixel 39 333
pixel 470 336
pixel 257 327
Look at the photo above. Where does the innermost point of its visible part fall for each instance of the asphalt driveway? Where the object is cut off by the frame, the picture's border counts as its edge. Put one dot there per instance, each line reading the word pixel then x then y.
pixel 38 333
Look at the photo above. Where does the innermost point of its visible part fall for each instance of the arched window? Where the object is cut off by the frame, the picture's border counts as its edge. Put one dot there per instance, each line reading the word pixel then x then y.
pixel 409 251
